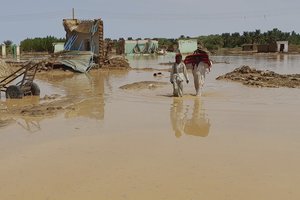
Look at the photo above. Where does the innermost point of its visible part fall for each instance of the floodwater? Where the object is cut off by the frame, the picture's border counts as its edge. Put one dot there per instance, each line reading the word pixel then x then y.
pixel 234 142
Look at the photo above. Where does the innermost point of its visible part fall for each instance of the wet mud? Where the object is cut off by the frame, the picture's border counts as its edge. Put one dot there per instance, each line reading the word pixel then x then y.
pixel 259 78
pixel 93 140
pixel 70 103
pixel 144 85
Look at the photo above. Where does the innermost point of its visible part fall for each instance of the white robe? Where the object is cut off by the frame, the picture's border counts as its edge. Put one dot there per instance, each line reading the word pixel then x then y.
pixel 177 76
pixel 199 72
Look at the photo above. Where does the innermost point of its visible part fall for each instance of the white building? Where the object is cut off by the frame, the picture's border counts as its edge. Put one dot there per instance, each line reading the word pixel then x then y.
pixel 282 46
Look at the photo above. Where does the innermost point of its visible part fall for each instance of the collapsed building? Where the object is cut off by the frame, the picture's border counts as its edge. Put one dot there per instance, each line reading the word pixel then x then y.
pixel 84 45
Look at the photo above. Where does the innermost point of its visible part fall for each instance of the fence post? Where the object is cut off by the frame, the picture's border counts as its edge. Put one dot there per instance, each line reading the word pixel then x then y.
pixel 3 51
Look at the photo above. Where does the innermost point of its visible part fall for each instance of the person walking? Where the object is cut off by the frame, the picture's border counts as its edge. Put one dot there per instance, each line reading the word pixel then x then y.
pixel 200 67
pixel 178 75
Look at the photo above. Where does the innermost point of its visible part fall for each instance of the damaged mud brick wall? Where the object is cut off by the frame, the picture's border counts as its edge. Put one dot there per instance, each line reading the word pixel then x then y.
pixel 5 69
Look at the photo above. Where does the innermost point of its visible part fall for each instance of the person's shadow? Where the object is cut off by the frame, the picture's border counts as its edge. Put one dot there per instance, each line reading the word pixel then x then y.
pixel 197 124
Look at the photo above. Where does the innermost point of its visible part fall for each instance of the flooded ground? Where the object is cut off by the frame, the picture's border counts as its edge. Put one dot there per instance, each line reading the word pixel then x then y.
pixel 90 139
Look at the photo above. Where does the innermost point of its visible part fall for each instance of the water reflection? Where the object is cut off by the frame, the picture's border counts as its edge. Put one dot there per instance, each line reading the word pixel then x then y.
pixel 84 97
pixel 19 111
pixel 30 124
pixel 196 123
pixel 5 122
pixel 150 61
pixel 84 93
pixel 87 91
pixel 178 116
pixel 280 63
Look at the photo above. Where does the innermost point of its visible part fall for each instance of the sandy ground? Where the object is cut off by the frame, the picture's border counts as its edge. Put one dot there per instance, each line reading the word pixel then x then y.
pixel 87 138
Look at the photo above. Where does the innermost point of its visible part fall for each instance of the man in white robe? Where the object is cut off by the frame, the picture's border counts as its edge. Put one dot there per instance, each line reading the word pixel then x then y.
pixel 178 75
pixel 199 71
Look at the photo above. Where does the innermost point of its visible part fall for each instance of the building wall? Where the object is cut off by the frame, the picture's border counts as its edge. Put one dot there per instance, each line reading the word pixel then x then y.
pixel 129 46
pixel 263 48
pixel 59 46
pixel 140 46
pixel 279 46
pixel 273 47
pixel 100 41
pixel 187 46
pixel 248 47
pixel 284 44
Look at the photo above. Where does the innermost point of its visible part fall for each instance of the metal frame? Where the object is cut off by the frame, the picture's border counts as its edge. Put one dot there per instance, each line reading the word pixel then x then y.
pixel 28 72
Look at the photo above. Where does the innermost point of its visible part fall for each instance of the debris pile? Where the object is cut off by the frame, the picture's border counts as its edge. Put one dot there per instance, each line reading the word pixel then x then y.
pixel 259 78
pixel 5 69
pixel 118 62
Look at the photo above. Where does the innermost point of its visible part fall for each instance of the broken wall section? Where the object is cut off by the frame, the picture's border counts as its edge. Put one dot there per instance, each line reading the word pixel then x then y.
pixel 85 35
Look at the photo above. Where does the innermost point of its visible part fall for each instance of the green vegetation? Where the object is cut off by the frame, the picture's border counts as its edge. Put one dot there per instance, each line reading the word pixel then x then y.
pixel 39 44
pixel 8 42
pixel 211 42
pixel 167 44
pixel 234 40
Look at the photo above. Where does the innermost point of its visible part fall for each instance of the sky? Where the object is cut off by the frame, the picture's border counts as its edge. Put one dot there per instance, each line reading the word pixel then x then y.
pixel 21 19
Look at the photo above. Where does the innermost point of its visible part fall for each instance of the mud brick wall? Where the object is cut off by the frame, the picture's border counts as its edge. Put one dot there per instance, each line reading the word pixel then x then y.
pixel 101 43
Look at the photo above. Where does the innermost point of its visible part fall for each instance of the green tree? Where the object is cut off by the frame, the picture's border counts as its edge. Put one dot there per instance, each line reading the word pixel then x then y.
pixel 39 44
pixel 212 42
pixel 226 39
pixel 8 42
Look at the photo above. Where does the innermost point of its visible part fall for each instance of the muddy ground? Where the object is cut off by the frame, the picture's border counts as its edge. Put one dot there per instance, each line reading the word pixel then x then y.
pixel 51 105
pixel 144 85
pixel 259 78
pixel 97 141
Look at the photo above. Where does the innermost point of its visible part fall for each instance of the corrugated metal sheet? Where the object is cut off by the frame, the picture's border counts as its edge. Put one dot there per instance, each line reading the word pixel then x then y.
pixel 80 61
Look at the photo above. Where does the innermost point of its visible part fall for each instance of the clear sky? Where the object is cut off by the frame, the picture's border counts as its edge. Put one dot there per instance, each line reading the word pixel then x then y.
pixel 21 19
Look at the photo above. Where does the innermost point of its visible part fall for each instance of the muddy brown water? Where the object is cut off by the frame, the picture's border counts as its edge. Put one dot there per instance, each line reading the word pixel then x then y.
pixel 102 142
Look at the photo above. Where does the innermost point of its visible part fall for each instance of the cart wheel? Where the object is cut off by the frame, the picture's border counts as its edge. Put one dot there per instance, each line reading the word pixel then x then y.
pixel 35 89
pixel 14 92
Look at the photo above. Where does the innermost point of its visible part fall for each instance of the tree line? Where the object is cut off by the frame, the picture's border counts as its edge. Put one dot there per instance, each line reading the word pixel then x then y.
pixel 227 40
pixel 232 40
pixel 39 44
pixel 211 42
pixel 36 44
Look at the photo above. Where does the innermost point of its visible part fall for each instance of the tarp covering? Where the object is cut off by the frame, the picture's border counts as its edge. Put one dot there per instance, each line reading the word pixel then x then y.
pixel 80 61
pixel 81 35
